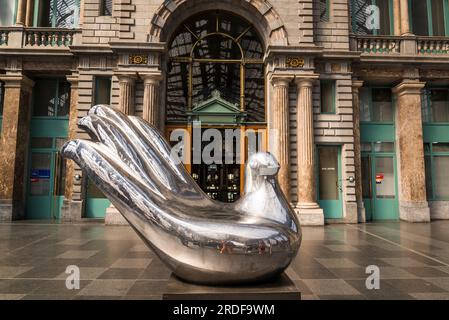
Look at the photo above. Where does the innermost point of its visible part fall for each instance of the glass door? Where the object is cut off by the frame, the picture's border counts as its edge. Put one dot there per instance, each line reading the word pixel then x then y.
pixel 330 182
pixel 379 185
pixel 46 182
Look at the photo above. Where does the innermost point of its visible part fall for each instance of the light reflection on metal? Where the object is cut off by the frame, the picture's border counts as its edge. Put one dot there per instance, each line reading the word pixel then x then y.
pixel 201 240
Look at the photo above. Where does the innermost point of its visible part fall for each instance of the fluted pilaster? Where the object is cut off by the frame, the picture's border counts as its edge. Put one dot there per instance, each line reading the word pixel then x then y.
pixel 280 125
pixel 151 107
pixel 127 87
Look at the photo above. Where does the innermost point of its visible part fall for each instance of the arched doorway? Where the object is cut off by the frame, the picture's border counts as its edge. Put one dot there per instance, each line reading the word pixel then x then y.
pixel 216 78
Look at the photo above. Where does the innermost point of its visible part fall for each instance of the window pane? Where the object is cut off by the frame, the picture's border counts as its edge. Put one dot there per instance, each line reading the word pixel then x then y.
pixel 323 9
pixel 64 13
pixel 426 106
pixel 359 15
pixel 45 98
pixel 40 174
pixel 382 105
pixel 384 15
pixel 427 147
pixel 428 164
pixel 106 8
pixel 328 175
pixel 60 187
pixel 438 17
pixel 42 143
pixel 255 92
pixel 439 99
pixel 441 147
pixel 6 13
pixel 384 147
pixel 365 102
pixel 385 182
pixel 327 97
pixel 366 178
pixel 441 177
pixel 365 147
pixel 419 18
pixel 102 90
pixel 63 99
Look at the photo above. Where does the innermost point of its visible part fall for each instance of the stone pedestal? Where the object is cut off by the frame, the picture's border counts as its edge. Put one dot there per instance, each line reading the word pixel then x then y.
pixel 279 120
pixel 113 217
pixel 413 206
pixel 307 209
pixel 71 211
pixel 14 145
pixel 279 288
pixel 361 212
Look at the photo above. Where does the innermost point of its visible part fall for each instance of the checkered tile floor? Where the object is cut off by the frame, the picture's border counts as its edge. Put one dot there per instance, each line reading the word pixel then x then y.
pixel 114 263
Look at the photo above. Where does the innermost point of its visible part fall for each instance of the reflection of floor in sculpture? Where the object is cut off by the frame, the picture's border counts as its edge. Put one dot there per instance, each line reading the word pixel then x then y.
pixel 114 263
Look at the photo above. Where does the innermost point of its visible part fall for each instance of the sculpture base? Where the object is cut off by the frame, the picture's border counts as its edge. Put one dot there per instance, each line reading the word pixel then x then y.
pixel 279 288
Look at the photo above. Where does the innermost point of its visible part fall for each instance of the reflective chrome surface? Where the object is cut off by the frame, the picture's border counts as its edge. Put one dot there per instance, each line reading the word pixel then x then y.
pixel 201 240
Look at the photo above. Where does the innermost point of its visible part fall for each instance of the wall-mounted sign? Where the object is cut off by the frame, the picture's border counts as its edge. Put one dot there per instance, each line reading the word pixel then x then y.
pixel 379 178
pixel 138 59
pixel 294 62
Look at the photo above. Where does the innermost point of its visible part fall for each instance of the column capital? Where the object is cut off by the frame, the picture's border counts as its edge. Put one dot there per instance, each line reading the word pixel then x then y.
pixel 17 81
pixel 151 78
pixel 409 87
pixel 281 80
pixel 127 77
pixel 357 84
pixel 304 82
pixel 73 80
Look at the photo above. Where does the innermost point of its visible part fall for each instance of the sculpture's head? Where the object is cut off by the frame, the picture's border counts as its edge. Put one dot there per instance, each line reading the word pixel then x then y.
pixel 260 166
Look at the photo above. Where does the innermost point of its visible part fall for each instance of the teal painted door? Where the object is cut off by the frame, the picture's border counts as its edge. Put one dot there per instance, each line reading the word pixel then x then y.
pixel 379 186
pixel 45 185
pixel 330 182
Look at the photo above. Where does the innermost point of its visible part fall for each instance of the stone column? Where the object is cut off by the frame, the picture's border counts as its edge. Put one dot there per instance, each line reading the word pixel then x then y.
pixel 14 145
pixel 127 94
pixel 29 13
pixel 127 86
pixel 71 208
pixel 21 12
pixel 280 125
pixel 413 206
pixel 307 208
pixel 356 84
pixel 151 107
pixel 405 20
pixel 397 17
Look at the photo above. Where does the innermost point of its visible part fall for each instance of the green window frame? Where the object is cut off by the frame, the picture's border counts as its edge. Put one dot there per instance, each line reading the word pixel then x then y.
pixel 325 107
pixel 55 7
pixel 56 98
pixel 429 4
pixel 427 106
pixel 366 102
pixel 359 16
pixel 432 154
pixel 102 83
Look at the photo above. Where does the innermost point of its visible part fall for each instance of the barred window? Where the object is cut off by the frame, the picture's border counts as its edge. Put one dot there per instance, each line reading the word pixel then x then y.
pixel 324 7
pixel 106 8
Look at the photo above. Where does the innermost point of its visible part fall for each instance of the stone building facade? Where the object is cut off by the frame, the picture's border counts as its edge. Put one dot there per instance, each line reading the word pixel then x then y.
pixel 357 92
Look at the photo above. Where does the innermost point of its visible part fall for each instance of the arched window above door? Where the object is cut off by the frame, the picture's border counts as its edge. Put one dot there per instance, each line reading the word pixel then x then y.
pixel 212 52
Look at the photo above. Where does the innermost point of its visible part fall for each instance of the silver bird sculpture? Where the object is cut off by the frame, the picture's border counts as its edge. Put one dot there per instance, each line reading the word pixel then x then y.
pixel 201 240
